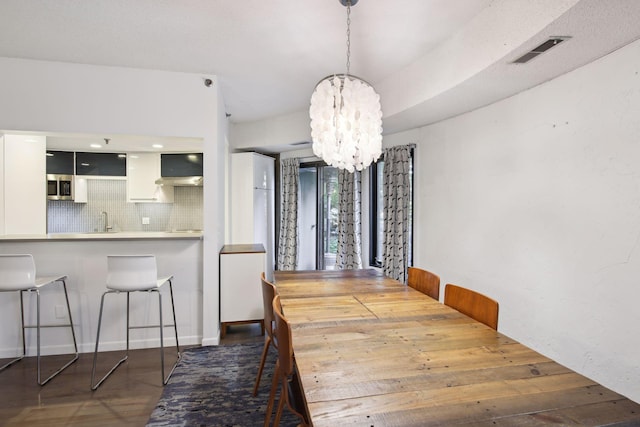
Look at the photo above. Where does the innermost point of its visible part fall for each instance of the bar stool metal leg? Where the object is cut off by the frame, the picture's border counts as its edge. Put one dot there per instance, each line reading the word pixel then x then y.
pixel 19 274
pixel 166 379
pixel 161 326
pixel 24 345
pixel 73 334
pixel 38 326
pixel 95 354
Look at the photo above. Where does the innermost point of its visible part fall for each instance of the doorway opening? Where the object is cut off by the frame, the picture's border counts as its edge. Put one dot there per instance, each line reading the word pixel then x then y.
pixel 318 226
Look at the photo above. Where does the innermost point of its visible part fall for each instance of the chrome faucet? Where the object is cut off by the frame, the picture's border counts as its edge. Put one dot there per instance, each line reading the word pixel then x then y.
pixel 107 227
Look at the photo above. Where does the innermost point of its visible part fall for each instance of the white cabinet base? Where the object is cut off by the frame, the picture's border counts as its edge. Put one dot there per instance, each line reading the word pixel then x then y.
pixel 240 285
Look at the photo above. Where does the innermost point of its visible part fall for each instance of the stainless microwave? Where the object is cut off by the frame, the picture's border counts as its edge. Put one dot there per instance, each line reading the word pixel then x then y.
pixel 59 187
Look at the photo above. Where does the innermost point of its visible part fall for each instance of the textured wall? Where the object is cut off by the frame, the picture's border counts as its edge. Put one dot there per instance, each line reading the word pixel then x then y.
pixel 110 196
pixel 535 201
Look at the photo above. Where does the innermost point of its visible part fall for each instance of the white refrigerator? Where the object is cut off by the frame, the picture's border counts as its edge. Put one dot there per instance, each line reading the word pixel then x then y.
pixel 252 216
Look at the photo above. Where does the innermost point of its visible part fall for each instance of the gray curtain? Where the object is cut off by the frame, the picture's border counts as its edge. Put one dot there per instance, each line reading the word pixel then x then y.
pixel 288 240
pixel 349 254
pixel 397 197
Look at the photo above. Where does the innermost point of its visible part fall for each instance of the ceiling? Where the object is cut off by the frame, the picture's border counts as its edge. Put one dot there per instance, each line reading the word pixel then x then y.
pixel 428 59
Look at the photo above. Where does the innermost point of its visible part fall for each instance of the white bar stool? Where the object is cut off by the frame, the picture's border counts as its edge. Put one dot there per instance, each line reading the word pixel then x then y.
pixel 18 273
pixel 135 273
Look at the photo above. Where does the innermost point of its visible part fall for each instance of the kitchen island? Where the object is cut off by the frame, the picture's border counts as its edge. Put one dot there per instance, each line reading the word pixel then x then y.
pixel 83 258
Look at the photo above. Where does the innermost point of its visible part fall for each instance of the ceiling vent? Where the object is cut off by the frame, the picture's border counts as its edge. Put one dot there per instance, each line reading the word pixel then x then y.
pixel 553 41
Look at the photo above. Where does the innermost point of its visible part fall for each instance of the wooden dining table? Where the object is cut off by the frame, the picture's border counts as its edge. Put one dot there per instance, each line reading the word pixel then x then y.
pixel 371 351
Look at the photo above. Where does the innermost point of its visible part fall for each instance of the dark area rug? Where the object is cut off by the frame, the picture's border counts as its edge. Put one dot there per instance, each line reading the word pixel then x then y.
pixel 212 386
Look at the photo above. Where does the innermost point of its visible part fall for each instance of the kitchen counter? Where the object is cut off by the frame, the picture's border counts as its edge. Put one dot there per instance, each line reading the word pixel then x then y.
pixel 124 235
pixel 82 258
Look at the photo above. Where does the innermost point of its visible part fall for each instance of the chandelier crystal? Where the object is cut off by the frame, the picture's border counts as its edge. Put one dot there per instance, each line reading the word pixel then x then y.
pixel 346 119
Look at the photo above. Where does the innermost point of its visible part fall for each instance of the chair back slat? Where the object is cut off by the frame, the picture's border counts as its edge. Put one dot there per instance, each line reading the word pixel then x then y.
pixel 283 336
pixel 473 304
pixel 268 293
pixel 424 281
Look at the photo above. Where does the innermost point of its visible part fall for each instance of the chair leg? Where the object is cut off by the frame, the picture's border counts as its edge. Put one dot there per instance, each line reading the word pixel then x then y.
pixel 295 397
pixel 263 358
pixel 283 398
pixel 128 320
pixel 272 394
pixel 24 346
pixel 165 380
pixel 24 338
pixel 94 386
pixel 38 333
pixel 38 327
pixel 175 323
pixel 161 337
pixel 73 335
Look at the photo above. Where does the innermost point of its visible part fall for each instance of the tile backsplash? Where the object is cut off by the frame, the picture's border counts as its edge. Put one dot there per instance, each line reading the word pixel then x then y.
pixel 104 195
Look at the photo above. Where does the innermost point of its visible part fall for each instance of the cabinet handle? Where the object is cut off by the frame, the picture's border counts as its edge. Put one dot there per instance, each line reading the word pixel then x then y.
pixel 143 198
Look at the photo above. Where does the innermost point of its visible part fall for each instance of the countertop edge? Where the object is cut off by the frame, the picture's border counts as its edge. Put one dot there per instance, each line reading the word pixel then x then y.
pixel 61 237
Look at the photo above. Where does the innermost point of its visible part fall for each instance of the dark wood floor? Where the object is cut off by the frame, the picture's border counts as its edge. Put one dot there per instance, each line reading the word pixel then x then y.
pixel 127 398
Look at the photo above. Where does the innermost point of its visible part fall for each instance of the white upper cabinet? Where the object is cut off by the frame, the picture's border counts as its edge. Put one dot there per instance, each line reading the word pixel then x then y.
pixel 142 171
pixel 24 188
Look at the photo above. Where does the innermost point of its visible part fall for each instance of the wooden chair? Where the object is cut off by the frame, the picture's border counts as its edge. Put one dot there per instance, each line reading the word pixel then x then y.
pixel 285 372
pixel 473 304
pixel 424 281
pixel 268 293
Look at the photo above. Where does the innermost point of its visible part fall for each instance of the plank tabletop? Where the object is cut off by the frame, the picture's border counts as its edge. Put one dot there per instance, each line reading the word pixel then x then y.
pixel 371 351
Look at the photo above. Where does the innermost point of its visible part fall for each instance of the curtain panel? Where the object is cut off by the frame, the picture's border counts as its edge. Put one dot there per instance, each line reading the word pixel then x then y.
pixel 396 197
pixel 288 241
pixel 349 254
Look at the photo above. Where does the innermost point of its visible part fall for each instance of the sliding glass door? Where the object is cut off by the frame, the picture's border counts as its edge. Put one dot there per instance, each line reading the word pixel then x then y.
pixel 318 231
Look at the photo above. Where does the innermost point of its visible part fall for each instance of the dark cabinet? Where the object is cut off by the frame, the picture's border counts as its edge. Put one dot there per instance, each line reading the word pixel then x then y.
pixel 101 164
pixel 60 162
pixel 177 165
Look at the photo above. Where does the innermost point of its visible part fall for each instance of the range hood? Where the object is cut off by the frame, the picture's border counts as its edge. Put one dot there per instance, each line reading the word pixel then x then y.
pixel 181 181
pixel 181 170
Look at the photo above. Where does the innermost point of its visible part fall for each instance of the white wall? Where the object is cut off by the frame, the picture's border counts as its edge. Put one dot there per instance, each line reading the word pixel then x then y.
pixel 535 201
pixel 281 130
pixel 61 97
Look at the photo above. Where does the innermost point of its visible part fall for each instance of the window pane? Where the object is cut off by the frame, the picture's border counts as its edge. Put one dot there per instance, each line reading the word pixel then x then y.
pixel 307 219
pixel 377 213
pixel 330 216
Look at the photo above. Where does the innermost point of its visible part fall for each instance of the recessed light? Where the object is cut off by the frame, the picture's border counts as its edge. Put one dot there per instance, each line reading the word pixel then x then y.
pixel 95 146
pixel 157 145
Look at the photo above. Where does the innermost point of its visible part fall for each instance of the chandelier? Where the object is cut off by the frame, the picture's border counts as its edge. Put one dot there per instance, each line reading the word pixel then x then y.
pixel 346 120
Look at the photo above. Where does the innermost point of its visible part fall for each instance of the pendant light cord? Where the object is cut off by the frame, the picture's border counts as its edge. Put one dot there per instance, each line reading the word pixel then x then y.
pixel 348 35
